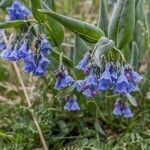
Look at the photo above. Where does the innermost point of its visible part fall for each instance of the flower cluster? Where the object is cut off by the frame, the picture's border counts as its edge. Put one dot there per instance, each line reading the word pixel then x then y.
pixel 35 63
pixel 120 79
pixel 17 11
pixel 117 77
pixel 121 108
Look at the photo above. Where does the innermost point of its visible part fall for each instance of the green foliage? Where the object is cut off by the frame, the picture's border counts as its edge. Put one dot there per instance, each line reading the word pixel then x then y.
pixel 122 24
pixel 54 30
pixel 84 30
pixel 10 24
pixel 93 127
pixel 103 19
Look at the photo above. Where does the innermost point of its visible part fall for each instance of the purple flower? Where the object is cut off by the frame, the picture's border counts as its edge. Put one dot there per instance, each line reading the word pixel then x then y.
pixel 30 64
pixel 105 80
pixel 118 108
pixel 79 84
pixel 23 50
pixel 89 91
pixel 113 73
pixel 123 85
pixel 41 66
pixel 45 47
pixel 135 76
pixel 63 80
pixel 122 109
pixel 13 56
pixel 127 112
pixel 84 62
pixel 71 104
pixel 5 54
pixel 17 11
pixel 91 79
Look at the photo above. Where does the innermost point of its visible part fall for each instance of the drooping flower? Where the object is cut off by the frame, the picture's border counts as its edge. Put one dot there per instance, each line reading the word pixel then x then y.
pixel 29 63
pixel 23 50
pixel 45 46
pixel 17 11
pixel 122 109
pixel 117 108
pixel 13 56
pixel 63 80
pixel 127 112
pixel 84 62
pixel 79 85
pixel 113 73
pixel 89 91
pixel 105 80
pixel 122 85
pixel 91 79
pixel 135 76
pixel 71 104
pixel 5 54
pixel 41 66
pixel 37 65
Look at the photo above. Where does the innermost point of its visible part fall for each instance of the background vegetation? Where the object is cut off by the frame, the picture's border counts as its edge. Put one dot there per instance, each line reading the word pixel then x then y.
pixel 93 127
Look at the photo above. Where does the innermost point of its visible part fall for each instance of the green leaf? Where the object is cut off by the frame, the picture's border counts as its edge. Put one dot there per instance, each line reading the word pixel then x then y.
pixel 131 99
pixel 104 45
pixel 122 23
pixel 54 30
pixel 10 24
pixel 103 19
pixel 64 92
pixel 55 54
pixel 80 49
pixel 141 34
pixel 85 30
pixel 134 56
pixel 98 127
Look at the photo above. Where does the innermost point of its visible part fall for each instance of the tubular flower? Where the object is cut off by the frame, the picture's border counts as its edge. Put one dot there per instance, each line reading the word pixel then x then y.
pixel 45 46
pixel 17 11
pixel 117 108
pixel 71 104
pixel 105 80
pixel 63 80
pixel 37 65
pixel 122 109
pixel 122 85
pixel 127 112
pixel 84 62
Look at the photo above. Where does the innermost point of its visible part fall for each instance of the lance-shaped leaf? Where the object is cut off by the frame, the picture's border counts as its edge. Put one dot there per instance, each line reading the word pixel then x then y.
pixel 103 19
pixel 140 33
pixel 85 30
pixel 55 54
pixel 80 49
pixel 54 29
pixel 134 56
pixel 131 99
pixel 122 23
pixel 104 45
pixel 10 24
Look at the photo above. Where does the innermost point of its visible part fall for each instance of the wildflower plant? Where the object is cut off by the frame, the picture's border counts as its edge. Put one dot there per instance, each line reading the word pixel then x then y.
pixel 105 69
pixel 102 71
